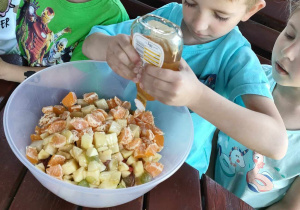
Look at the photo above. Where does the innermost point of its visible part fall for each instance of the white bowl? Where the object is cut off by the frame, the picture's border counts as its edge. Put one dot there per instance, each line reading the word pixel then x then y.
pixel 49 86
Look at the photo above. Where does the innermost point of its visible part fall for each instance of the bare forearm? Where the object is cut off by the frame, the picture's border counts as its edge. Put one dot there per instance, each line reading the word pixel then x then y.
pixel 16 73
pixel 95 46
pixel 261 132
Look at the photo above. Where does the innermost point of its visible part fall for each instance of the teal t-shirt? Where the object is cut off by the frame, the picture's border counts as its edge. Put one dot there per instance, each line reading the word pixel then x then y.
pixel 258 180
pixel 227 65
pixel 52 32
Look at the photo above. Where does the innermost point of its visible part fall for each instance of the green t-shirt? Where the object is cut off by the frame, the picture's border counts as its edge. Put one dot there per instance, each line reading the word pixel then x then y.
pixel 52 32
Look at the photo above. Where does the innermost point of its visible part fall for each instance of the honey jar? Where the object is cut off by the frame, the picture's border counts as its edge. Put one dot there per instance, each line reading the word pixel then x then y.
pixel 159 42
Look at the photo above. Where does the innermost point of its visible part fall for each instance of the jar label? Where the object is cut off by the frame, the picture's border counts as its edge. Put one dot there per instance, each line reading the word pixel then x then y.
pixel 149 51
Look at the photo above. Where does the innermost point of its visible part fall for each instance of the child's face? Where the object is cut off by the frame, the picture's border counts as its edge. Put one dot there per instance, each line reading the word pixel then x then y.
pixel 286 54
pixel 207 20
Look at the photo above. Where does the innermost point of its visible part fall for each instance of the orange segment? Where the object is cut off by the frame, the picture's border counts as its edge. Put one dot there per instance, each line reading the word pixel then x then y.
pixel 139 152
pixel 47 109
pixel 35 137
pixel 70 99
pixel 125 136
pixel 111 103
pixel 147 117
pixel 57 126
pixel 37 130
pixel 58 140
pixel 151 149
pixel 126 105
pixel 56 159
pixel 118 112
pixel 59 109
pixel 55 171
pixel 153 168
pixel 159 140
pixel 79 123
pixel 90 97
pixel 100 114
pixel 75 108
pixel 135 143
pixel 118 101
pixel 131 120
pixel 156 130
pixel 32 154
pixel 92 120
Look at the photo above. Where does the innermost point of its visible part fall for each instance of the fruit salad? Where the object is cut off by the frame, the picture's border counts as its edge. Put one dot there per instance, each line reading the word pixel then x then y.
pixel 97 143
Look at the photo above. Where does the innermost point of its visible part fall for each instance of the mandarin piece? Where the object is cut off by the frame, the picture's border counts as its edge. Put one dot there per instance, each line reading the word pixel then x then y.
pixel 98 143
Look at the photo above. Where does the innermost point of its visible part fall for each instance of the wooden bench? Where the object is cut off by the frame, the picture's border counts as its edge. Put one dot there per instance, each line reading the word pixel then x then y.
pixel 261 30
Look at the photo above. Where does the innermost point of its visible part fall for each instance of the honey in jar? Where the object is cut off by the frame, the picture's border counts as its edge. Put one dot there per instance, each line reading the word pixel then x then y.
pixel 159 42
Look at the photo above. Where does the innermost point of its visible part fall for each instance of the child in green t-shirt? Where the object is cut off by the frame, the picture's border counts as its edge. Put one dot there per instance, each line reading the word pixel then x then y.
pixel 52 32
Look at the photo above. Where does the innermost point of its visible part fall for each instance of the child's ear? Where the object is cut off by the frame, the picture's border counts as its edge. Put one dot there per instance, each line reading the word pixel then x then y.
pixel 255 8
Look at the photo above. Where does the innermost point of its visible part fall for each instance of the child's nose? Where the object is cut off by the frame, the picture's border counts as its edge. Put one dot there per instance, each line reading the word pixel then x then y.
pixel 292 51
pixel 200 22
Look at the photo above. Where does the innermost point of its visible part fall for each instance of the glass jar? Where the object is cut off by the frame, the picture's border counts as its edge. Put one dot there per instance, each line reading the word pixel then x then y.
pixel 159 42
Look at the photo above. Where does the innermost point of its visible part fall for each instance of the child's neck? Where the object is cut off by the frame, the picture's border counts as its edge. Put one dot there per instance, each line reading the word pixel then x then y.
pixel 290 94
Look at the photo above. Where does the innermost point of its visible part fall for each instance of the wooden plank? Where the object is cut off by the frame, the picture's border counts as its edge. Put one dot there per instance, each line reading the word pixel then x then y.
pixel 259 35
pixel 136 8
pixel 216 197
pixel 136 204
pixel 180 191
pixel 12 170
pixel 33 195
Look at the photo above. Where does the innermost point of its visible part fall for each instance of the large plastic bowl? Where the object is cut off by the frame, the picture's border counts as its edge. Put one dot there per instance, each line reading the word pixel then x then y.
pixel 48 87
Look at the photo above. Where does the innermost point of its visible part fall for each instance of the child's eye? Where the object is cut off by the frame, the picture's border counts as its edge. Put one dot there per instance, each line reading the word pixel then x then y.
pixel 220 18
pixel 289 37
pixel 189 4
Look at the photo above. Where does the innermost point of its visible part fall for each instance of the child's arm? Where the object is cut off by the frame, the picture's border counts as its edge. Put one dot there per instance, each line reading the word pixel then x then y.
pixel 291 200
pixel 16 73
pixel 259 127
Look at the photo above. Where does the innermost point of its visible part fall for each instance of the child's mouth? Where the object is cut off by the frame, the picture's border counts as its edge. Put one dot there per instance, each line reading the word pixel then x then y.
pixel 280 70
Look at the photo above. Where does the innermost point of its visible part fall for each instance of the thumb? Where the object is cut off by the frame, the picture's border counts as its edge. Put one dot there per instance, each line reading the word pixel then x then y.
pixel 184 66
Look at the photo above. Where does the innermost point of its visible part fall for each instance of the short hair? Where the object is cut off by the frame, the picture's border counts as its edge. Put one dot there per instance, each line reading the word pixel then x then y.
pixel 294 5
pixel 249 3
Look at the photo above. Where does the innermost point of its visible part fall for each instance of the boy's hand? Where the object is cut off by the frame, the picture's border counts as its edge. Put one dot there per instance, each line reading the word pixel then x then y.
pixel 122 57
pixel 177 88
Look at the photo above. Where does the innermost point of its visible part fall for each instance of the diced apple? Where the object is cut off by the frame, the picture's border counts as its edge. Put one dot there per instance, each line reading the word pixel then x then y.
pixel 101 149
pixel 113 165
pixel 65 154
pixel 49 148
pixel 67 177
pixel 131 160
pixel 77 114
pixel 75 152
pixel 66 148
pixel 115 128
pixel 78 175
pixel 44 135
pixel 126 153
pixel 69 167
pixel 82 102
pixel 86 141
pixel 69 136
pixel 93 177
pixel 41 167
pixel 111 138
pixel 125 173
pixel 94 165
pixel 47 139
pixel 101 104
pixel 122 122
pixel 118 156
pixel 82 160
pixel 136 130
pixel 121 184
pixel 100 139
pixel 43 155
pixel 91 152
pixel 123 167
pixel 37 144
pixel 114 148
pixel 109 184
pixel 88 109
pixel 105 155
pixel 138 168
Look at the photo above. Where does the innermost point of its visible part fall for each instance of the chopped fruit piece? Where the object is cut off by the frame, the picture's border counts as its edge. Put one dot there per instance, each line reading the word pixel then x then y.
pixel 55 171
pixel 156 130
pixel 35 137
pixel 58 140
pixel 131 120
pixel 47 109
pixel 154 168
pixel 145 177
pixel 101 104
pixel 137 113
pixel 126 105
pixel 129 180
pixel 79 123
pixel 99 114
pixel 159 140
pixel 75 108
pixel 139 152
pixel 83 183
pixel 118 101
pixel 32 154
pixel 37 130
pixel 59 109
pixel 135 143
pixel 149 134
pixel 56 159
pixel 125 136
pixel 151 149
pixel 90 97
pixel 92 120
pixel 111 103
pixel 70 99
pixel 147 117
pixel 118 112
pixel 57 126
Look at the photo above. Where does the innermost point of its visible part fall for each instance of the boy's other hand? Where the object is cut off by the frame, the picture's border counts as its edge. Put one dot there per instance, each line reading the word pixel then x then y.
pixel 176 88
pixel 123 58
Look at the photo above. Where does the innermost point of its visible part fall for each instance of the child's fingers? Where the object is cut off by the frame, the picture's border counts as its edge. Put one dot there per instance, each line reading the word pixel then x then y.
pixel 124 43
pixel 166 75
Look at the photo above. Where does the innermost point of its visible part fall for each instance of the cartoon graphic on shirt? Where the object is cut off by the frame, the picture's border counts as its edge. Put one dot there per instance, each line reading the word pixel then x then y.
pixel 210 81
pixel 229 163
pixel 39 36
pixel 259 181
pixel 5 5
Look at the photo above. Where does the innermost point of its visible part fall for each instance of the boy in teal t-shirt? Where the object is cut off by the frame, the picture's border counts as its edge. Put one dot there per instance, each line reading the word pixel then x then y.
pixel 215 53
pixel 52 32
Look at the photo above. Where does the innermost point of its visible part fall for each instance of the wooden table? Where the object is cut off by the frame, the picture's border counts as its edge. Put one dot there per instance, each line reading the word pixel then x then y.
pixel 183 191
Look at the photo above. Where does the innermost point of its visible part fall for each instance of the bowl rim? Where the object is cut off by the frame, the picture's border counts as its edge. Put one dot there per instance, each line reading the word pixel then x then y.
pixel 35 170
